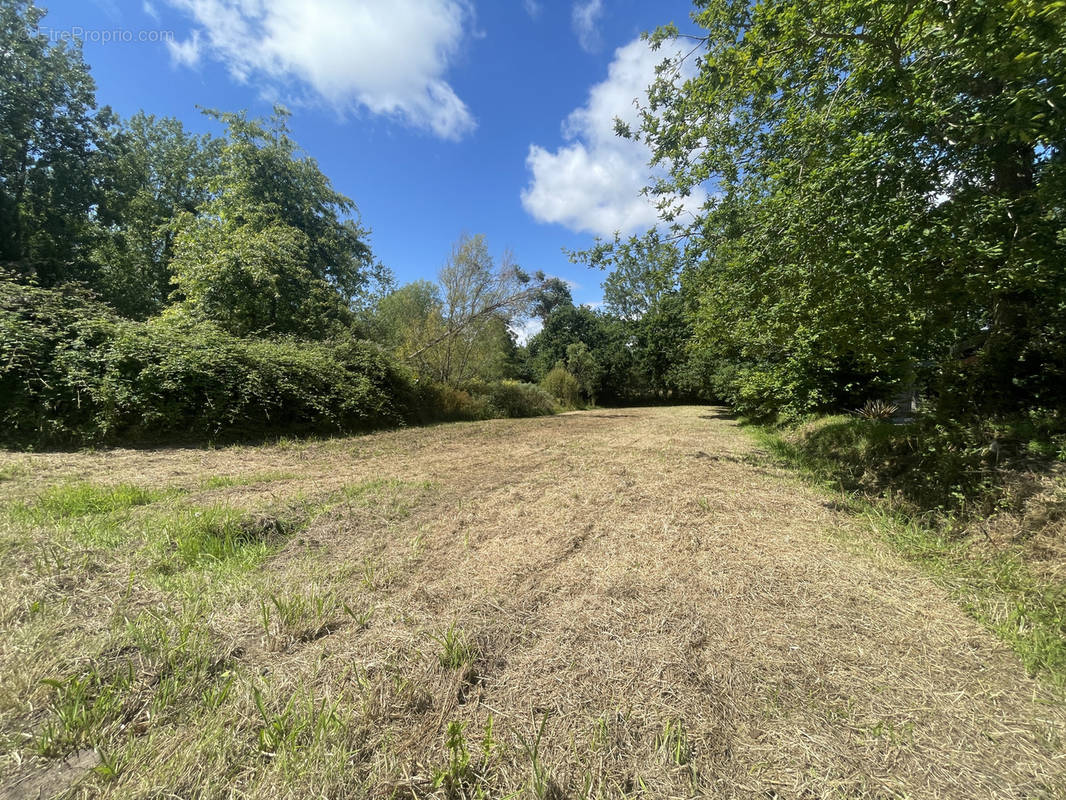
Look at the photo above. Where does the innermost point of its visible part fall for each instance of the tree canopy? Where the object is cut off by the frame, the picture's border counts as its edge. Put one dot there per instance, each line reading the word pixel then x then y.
pixel 886 210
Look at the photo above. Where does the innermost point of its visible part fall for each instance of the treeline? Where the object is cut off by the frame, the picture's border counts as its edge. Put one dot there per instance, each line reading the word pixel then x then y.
pixel 885 229
pixel 888 201
pixel 159 282
pixel 885 222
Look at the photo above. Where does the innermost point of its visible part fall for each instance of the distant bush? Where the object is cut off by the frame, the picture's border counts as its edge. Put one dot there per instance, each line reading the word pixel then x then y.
pixel 563 386
pixel 479 400
pixel 515 399
pixel 440 403
pixel 72 372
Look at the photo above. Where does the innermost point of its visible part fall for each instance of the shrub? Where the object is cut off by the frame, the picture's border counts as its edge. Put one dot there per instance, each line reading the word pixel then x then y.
pixel 71 372
pixel 954 467
pixel 479 400
pixel 516 399
pixel 563 386
pixel 439 402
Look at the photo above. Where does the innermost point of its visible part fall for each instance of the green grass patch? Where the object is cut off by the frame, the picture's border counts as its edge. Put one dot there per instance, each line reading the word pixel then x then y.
pixel 10 472
pixel 213 536
pixel 84 499
pixel 227 481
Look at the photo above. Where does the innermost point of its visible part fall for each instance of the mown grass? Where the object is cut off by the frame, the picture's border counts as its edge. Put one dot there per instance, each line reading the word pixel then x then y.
pixel 117 600
pixel 995 586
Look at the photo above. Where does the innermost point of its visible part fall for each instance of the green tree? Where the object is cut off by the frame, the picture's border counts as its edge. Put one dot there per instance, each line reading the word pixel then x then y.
pixel 644 269
pixel 262 167
pixel 479 301
pixel 153 173
pixel 47 155
pixel 271 251
pixel 584 367
pixel 889 197
pixel 554 292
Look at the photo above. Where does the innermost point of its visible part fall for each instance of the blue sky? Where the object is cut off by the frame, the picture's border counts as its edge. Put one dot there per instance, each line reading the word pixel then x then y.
pixel 435 116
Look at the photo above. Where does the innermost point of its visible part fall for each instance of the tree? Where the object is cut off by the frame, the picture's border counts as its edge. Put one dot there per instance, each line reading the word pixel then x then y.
pixel 584 367
pixel 250 275
pixel 153 172
pixel 47 155
pixel 554 292
pixel 272 251
pixel 262 168
pixel 478 300
pixel 644 269
pixel 889 198
pixel 566 325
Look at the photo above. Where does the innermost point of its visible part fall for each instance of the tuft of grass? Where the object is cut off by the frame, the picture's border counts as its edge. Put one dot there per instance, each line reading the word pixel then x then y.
pixel 671 743
pixel 457 651
pixel 227 481
pixel 85 499
pixel 304 617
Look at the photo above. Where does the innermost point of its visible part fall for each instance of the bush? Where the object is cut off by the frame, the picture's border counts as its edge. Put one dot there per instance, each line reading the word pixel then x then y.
pixel 516 399
pixel 438 402
pixel 951 467
pixel 479 400
pixel 563 386
pixel 71 372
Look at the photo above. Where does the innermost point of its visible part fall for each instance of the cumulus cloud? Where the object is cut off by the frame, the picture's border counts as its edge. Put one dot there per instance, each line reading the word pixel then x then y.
pixel 386 56
pixel 593 182
pixel 187 53
pixel 585 19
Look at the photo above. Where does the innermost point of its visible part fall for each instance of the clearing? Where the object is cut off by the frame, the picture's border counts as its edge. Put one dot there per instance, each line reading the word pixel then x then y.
pixel 598 604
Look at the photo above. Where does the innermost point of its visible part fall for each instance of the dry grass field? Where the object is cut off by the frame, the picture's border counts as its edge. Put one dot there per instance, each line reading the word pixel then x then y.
pixel 600 604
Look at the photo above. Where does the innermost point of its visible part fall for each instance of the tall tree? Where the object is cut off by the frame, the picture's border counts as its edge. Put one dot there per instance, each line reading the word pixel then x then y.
pixel 479 300
pixel 889 196
pixel 46 149
pixel 154 171
pixel 274 250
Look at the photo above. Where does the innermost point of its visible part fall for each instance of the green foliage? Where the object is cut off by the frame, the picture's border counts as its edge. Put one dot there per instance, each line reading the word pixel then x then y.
pixel 457 651
pixel 955 469
pixel 71 372
pixel 47 158
pixel 586 370
pixel 516 399
pixel 889 200
pixel 480 400
pixel 563 386
pixel 153 172
pixel 271 252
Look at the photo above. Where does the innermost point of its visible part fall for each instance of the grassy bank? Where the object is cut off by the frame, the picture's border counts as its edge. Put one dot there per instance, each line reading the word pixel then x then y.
pixel 985 521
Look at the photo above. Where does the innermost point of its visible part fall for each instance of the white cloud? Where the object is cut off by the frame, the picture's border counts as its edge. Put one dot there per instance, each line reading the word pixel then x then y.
pixel 527 329
pixel 187 53
pixel 593 182
pixel 533 8
pixel 585 18
pixel 386 56
pixel 150 10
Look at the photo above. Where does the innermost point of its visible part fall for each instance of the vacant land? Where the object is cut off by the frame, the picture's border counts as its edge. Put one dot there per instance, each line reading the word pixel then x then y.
pixel 597 604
